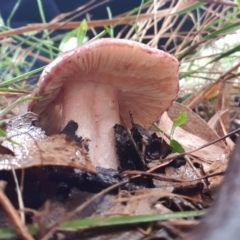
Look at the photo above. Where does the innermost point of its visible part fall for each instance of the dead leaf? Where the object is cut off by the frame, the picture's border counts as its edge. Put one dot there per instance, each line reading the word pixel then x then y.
pixel 216 122
pixel 207 93
pixel 56 150
pixel 224 103
pixel 31 147
pixel 142 202
pixel 191 142
pixel 217 166
pixel 194 124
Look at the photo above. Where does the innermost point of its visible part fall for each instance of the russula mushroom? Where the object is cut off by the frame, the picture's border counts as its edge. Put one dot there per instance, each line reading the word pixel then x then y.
pixel 98 84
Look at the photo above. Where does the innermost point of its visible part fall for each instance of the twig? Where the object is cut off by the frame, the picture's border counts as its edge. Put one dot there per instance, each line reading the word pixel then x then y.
pixel 19 194
pixel 168 179
pixel 72 25
pixel 13 215
pixel 195 170
pixel 222 2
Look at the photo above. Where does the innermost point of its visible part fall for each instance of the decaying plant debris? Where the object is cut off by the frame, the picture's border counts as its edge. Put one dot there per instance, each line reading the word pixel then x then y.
pixel 59 179
pixel 31 147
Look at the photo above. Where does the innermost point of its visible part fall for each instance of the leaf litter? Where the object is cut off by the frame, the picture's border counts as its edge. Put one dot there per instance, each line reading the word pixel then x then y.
pixel 31 147
pixel 182 184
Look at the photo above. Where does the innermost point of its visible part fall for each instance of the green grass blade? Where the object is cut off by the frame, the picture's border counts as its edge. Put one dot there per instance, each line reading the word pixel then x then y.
pixel 114 221
pixel 111 28
pixel 225 54
pixel 13 12
pixel 14 104
pixel 2 133
pixel 190 8
pixel 21 77
pixel 137 17
pixel 40 44
pixel 41 11
pixel 7 234
pixel 81 32
pixel 108 221
pixel 224 31
pixel 221 56
pixel 101 34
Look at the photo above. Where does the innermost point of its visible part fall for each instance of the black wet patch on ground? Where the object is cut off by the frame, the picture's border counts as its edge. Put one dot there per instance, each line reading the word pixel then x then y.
pixel 148 147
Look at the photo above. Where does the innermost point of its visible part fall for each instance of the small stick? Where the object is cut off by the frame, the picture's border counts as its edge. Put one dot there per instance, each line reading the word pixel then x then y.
pixel 20 228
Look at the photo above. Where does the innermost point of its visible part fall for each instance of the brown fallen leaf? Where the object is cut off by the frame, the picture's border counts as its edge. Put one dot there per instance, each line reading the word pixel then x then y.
pixel 194 124
pixel 182 173
pixel 191 142
pixel 216 122
pixel 56 150
pixel 222 103
pixel 193 134
pixel 206 93
pixel 144 201
pixel 31 147
pixel 217 166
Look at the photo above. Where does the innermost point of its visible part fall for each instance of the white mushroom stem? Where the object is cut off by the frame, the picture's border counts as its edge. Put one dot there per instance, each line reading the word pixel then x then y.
pixel 95 108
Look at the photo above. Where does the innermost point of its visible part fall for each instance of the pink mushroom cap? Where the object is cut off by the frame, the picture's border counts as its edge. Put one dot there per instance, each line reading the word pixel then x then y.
pixel 99 84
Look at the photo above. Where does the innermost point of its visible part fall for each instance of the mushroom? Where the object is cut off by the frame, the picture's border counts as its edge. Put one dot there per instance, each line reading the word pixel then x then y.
pixel 98 84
